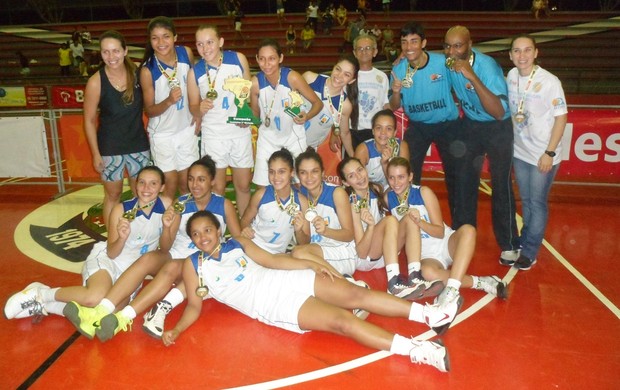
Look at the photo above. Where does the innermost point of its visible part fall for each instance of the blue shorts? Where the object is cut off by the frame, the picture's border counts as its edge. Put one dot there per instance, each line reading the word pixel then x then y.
pixel 114 166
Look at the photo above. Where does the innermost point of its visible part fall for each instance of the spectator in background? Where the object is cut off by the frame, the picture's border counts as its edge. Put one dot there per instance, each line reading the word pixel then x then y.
pixel 23 63
pixel 312 15
pixel 307 36
pixel 238 14
pixel 291 39
pixel 280 11
pixel 85 34
pixel 341 15
pixel 94 62
pixel 64 59
pixel 539 6
pixel 386 7
pixel 362 7
pixel 388 37
pixel 328 19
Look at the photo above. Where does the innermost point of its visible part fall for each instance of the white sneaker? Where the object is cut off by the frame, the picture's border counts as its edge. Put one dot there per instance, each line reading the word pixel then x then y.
pixel 492 285
pixel 361 313
pixel 439 317
pixel 26 303
pixel 508 258
pixel 154 319
pixel 447 296
pixel 432 353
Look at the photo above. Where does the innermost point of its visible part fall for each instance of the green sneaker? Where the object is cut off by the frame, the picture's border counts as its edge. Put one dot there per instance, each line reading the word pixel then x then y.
pixel 85 319
pixel 111 325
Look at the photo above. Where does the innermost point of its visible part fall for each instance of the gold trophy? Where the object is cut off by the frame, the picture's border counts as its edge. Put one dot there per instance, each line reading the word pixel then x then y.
pixel 294 108
pixel 240 87
pixel 393 143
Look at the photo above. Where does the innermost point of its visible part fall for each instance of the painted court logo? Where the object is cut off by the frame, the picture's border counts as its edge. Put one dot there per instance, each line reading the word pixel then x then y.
pixel 62 233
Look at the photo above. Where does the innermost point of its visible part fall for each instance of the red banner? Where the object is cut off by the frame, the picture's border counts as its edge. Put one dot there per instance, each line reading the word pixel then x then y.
pixel 67 96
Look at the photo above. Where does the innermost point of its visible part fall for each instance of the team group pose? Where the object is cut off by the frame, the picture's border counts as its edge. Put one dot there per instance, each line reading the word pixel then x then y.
pixel 294 243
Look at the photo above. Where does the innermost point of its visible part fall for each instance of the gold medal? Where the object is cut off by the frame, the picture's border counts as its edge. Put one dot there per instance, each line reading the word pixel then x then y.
pixel 267 121
pixel 407 83
pixel 179 205
pixel 336 130
pixel 450 63
pixel 519 117
pixel 403 206
pixel 212 94
pixel 130 215
pixel 202 291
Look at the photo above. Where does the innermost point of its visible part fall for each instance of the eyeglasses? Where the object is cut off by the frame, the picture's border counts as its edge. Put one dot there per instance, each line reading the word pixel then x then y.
pixel 457 46
pixel 363 49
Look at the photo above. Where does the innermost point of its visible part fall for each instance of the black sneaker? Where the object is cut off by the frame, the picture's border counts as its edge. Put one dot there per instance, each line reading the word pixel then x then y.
pixel 524 263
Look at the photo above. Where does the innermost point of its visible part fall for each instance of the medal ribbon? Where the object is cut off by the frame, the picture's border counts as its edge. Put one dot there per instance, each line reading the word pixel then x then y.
pixel 333 109
pixel 163 71
pixel 212 84
pixel 275 91
pixel 201 260
pixel 527 87
pixel 403 202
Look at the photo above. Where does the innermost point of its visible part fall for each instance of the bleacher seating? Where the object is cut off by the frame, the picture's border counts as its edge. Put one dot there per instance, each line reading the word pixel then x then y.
pixel 585 63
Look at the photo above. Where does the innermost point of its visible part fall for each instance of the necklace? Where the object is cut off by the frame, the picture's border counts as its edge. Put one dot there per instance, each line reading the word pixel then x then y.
pixel 173 82
pixel 335 113
pixel 202 290
pixel 359 203
pixel 275 92
pixel 311 213
pixel 114 81
pixel 403 203
pixel 130 215
pixel 292 207
pixel 519 117
pixel 179 205
pixel 408 80
pixel 212 93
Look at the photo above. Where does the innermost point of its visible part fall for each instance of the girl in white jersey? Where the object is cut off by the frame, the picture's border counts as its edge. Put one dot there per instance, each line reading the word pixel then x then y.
pixel 445 254
pixel 276 213
pixel 164 264
pixel 214 97
pixel 338 92
pixel 297 295
pixel 163 77
pixel 376 234
pixel 134 230
pixel 329 214
pixel 275 91
pixel 375 153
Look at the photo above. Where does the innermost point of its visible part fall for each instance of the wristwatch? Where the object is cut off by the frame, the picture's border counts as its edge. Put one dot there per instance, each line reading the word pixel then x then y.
pixel 550 153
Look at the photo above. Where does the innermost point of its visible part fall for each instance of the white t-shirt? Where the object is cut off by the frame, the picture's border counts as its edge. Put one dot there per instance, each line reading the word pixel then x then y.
pixel 543 101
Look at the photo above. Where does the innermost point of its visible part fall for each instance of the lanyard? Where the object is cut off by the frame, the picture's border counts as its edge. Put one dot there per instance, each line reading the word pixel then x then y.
pixel 172 79
pixel 273 99
pixel 212 93
pixel 332 110
pixel 527 87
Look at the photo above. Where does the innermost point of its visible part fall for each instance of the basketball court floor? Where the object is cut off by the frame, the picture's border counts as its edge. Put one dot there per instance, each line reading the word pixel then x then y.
pixel 559 328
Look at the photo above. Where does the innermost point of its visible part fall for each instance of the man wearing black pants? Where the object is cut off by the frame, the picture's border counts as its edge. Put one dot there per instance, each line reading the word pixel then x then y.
pixel 479 84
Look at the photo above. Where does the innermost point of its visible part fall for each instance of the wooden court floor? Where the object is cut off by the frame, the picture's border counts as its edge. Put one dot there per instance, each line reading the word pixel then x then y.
pixel 560 327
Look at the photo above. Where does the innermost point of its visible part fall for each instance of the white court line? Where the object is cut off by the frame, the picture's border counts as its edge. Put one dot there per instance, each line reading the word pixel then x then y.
pixel 595 291
pixel 373 357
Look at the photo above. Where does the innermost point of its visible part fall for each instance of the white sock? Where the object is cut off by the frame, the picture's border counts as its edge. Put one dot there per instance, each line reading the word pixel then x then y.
pixel 456 284
pixel 413 266
pixel 416 313
pixel 48 294
pixel 129 312
pixel 392 270
pixel 400 345
pixel 107 305
pixel 474 283
pixel 54 307
pixel 174 297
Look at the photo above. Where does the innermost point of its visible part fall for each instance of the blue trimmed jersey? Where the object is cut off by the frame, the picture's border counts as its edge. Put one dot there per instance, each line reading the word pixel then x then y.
pixel 429 99
pixel 492 76
pixel 273 229
pixel 177 117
